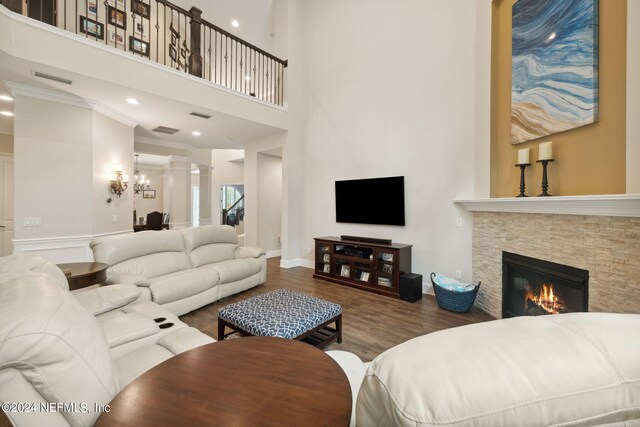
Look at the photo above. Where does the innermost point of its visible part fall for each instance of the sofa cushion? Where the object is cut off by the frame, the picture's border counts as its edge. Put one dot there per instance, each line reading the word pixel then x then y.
pixel 579 368
pixel 209 244
pixel 30 262
pixel 182 284
pixel 106 298
pixel 127 328
pixel 152 265
pixel 55 345
pixel 148 253
pixel 235 269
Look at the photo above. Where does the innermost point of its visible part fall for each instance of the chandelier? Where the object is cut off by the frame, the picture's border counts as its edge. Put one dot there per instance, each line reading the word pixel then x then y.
pixel 139 182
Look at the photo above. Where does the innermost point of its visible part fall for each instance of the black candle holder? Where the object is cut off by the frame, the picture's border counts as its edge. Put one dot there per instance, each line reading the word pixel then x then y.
pixel 522 167
pixel 545 183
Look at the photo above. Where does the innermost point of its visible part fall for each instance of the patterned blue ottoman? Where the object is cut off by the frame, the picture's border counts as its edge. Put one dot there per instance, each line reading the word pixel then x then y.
pixel 286 314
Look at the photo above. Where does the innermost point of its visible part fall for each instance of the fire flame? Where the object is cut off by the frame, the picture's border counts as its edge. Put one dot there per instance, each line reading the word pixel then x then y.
pixel 547 300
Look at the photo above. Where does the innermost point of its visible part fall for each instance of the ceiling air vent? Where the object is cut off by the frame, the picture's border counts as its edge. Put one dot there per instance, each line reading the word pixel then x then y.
pixel 201 115
pixel 50 77
pixel 166 130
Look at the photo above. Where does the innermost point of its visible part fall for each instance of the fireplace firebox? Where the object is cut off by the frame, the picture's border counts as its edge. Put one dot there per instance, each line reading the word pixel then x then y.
pixel 532 287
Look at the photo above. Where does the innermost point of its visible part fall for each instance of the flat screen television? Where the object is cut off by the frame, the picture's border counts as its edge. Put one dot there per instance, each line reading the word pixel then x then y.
pixel 371 201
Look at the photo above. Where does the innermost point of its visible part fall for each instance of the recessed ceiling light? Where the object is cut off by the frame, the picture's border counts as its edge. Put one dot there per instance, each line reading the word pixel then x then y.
pixel 6 113
pixel 247 77
pixel 235 23
pixel 133 101
pixel 196 133
pixel 6 98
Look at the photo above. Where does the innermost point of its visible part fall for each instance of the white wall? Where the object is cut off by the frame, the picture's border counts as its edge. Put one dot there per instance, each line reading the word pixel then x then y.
pixel 112 143
pixel 225 171
pixel 253 175
pixel 54 166
pixel 269 203
pixel 64 154
pixel 385 100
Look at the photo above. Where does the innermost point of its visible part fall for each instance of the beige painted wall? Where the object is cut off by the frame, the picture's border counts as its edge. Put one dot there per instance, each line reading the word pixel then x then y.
pixel 6 143
pixel 590 159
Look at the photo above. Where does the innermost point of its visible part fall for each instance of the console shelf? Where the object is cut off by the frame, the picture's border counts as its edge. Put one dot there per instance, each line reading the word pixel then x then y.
pixel 375 267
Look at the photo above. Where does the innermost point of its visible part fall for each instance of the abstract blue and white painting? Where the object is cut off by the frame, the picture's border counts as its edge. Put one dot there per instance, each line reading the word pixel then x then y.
pixel 554 68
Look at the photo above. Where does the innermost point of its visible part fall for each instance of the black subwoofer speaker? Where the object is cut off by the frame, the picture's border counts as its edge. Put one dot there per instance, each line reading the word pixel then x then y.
pixel 411 287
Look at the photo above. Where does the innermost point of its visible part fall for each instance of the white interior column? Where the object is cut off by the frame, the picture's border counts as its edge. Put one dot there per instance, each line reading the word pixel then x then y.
pixel 179 192
pixel 205 194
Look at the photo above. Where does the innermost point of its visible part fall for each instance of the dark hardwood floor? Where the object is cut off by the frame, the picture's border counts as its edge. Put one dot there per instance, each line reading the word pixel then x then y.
pixel 371 323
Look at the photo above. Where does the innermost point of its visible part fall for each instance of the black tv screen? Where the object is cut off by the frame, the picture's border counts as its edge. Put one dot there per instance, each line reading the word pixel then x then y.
pixel 371 201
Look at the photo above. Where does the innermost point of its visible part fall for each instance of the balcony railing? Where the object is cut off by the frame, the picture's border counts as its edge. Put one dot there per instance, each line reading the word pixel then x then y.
pixel 172 36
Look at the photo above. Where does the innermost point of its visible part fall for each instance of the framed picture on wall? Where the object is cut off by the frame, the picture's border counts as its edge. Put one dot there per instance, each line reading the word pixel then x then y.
pixel 115 37
pixel 117 17
pixel 141 8
pixel 92 8
pixel 148 194
pixel 91 27
pixel 138 46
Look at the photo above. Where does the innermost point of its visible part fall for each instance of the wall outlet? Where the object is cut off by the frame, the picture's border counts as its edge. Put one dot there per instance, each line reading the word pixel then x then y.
pixel 458 274
pixel 32 221
pixel 459 222
pixel 114 218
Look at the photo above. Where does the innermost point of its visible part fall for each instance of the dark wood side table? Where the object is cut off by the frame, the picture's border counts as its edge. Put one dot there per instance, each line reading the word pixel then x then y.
pixel 239 382
pixel 85 274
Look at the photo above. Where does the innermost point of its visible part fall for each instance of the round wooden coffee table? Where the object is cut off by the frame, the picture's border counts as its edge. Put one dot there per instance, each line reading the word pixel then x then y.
pixel 239 382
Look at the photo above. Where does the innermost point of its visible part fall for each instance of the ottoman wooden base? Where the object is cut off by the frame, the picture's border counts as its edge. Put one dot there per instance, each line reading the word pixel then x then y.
pixel 321 336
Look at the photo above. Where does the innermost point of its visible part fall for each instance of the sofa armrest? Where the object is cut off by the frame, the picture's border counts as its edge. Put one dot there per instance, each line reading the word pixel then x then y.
pixel 127 279
pixel 249 252
pixel 107 298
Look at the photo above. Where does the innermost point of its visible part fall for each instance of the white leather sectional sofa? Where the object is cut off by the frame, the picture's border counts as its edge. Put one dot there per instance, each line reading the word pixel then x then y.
pixel 182 270
pixel 578 369
pixel 79 347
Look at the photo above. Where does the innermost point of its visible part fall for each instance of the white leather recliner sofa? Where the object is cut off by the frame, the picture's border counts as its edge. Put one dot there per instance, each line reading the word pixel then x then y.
pixel 126 323
pixel 578 369
pixel 182 270
pixel 55 360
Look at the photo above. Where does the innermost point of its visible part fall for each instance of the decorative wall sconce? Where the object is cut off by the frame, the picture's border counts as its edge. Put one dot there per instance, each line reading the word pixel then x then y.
pixel 118 183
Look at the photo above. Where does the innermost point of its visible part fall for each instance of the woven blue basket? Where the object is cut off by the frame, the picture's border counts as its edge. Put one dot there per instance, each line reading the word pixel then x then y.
pixel 458 302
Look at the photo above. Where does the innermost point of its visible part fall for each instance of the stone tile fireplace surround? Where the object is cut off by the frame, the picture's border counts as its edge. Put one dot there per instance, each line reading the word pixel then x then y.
pixel 607 246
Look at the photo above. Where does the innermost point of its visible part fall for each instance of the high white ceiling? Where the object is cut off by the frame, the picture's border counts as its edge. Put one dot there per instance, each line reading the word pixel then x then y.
pixel 221 131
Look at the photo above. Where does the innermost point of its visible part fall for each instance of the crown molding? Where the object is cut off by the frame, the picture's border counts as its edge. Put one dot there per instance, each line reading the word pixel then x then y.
pixel 69 99
pixel 49 95
pixel 115 114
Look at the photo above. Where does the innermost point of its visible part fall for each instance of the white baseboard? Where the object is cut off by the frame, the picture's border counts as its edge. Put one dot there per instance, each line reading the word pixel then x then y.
pixel 427 288
pixel 61 249
pixel 300 262
pixel 274 254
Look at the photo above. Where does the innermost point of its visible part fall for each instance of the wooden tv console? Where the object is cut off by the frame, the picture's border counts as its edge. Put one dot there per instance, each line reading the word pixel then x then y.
pixel 375 267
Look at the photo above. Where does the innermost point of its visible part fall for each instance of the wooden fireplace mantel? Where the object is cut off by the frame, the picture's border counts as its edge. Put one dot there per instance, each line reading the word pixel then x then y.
pixel 624 205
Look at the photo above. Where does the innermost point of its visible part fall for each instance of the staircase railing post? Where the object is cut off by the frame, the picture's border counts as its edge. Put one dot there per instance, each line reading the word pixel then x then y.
pixel 195 58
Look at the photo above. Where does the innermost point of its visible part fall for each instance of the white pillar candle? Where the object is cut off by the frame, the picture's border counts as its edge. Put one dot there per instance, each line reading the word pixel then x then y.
pixel 523 156
pixel 545 151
